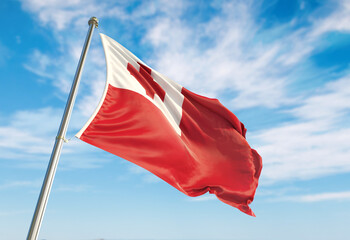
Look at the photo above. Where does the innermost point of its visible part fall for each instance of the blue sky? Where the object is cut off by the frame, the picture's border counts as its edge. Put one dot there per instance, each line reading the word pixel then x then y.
pixel 280 66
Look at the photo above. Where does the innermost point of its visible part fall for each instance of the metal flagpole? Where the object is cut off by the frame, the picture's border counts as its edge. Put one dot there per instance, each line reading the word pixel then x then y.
pixel 56 151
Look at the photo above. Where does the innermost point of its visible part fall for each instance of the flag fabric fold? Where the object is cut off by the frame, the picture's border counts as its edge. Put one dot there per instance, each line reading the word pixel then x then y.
pixel 192 142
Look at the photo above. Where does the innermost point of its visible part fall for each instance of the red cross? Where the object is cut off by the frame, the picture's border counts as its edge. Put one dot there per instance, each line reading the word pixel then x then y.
pixel 145 79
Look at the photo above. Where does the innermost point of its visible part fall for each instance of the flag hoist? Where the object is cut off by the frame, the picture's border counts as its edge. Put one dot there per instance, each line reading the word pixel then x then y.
pixel 51 169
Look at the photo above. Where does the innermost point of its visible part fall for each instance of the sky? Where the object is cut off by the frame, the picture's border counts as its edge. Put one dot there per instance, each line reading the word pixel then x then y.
pixel 282 66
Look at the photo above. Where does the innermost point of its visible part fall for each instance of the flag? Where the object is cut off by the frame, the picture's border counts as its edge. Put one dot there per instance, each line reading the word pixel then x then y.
pixel 190 141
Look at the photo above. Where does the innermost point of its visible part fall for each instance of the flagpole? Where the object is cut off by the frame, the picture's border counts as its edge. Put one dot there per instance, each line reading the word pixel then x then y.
pixel 56 151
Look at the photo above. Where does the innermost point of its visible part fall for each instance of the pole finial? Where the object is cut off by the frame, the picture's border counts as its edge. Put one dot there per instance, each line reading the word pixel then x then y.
pixel 93 20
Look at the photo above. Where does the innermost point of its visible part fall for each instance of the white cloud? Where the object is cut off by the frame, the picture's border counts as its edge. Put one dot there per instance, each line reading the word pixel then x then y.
pixel 59 14
pixel 316 144
pixel 73 188
pixel 332 103
pixel 60 68
pixel 231 60
pixel 228 54
pixel 337 21
pixel 256 71
pixel 5 54
pixel 328 196
pixel 38 64
pixel 19 184
pixel 202 198
pixel 147 177
pixel 234 61
pixel 12 213
pixel 28 138
pixel 254 64
pixel 27 131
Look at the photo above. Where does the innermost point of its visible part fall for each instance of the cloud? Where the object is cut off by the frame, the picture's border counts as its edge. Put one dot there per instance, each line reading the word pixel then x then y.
pixel 60 68
pixel 230 59
pixel 320 197
pixel 249 64
pixel 19 184
pixel 5 54
pixel 38 64
pixel 337 21
pixel 61 15
pixel 231 55
pixel 147 177
pixel 316 144
pixel 73 188
pixel 255 69
pixel 27 138
pixel 27 131
pixel 332 102
pixel 206 197
pixel 58 14
pixel 12 213
pixel 238 55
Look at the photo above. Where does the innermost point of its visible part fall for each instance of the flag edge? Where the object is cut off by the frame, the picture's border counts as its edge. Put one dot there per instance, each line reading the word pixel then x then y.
pixel 82 130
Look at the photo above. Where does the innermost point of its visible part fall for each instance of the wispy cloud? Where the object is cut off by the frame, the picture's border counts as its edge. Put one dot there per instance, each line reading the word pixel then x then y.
pixel 316 144
pixel 27 137
pixel 337 21
pixel 27 131
pixel 14 213
pixel 59 14
pixel 230 55
pixel 206 197
pixel 230 59
pixel 38 64
pixel 73 188
pixel 255 70
pixel 320 197
pixel 253 63
pixel 5 54
pixel 19 184
pixel 147 177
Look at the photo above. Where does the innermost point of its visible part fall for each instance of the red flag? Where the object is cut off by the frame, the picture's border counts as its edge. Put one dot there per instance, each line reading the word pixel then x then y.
pixel 192 142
